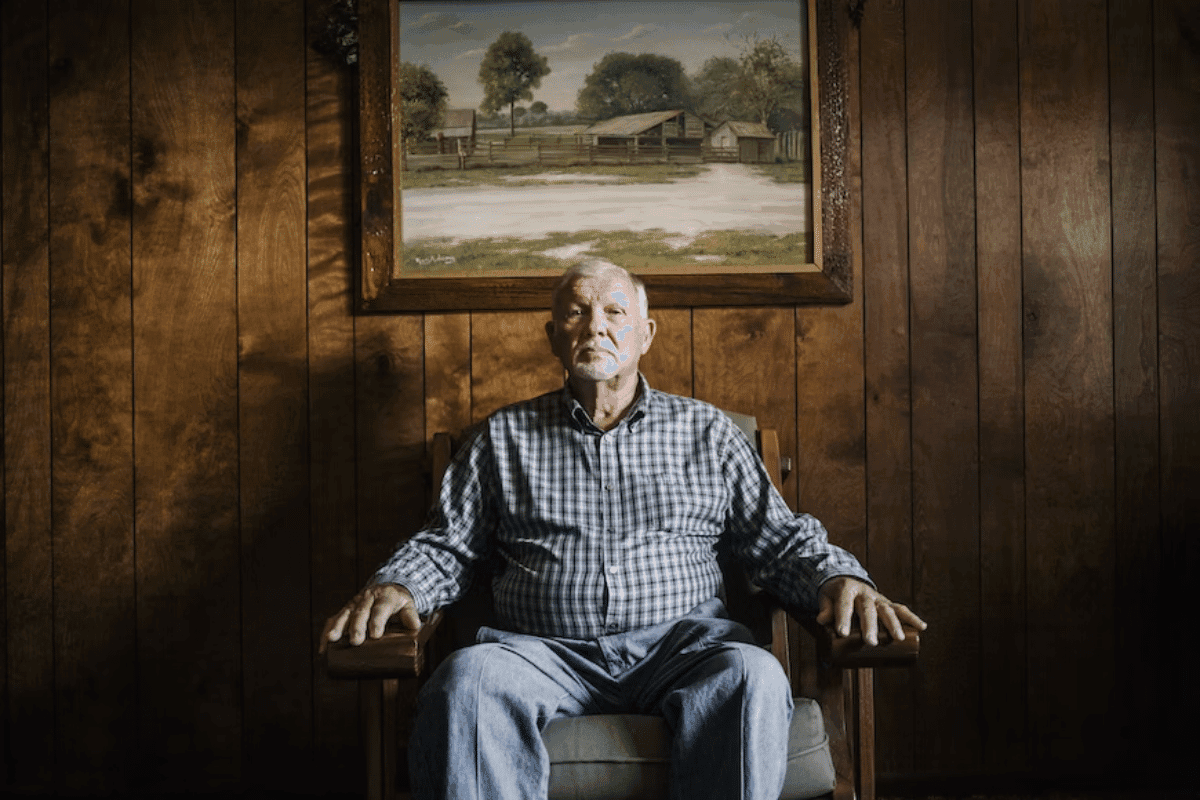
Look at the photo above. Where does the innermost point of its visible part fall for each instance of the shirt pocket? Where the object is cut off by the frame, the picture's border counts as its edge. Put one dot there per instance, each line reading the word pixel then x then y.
pixel 680 501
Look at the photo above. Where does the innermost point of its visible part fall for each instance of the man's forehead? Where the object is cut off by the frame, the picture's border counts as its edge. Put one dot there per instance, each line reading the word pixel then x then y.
pixel 609 287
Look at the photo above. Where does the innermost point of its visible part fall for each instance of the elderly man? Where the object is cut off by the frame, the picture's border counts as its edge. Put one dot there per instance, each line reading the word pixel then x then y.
pixel 605 503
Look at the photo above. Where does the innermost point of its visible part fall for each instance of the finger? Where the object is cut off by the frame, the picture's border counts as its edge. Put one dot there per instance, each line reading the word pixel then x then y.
pixel 384 607
pixel 845 611
pixel 825 612
pixel 890 621
pixel 906 615
pixel 359 618
pixel 334 627
pixel 409 616
pixel 868 620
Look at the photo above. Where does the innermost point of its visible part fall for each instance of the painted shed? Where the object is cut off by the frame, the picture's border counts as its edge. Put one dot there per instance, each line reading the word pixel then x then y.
pixel 652 129
pixel 458 131
pixel 753 140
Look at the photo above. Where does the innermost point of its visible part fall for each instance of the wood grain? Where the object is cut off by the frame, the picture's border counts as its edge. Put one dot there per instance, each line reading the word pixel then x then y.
pixel 510 359
pixel 668 364
pixel 331 409
pixel 945 417
pixel 1068 380
pixel 1177 162
pixel 447 373
pixel 830 425
pixel 1001 384
pixel 272 394
pixel 1138 550
pixel 390 432
pixel 28 549
pixel 91 378
pixel 185 389
pixel 886 362
pixel 743 361
pixel 1079 216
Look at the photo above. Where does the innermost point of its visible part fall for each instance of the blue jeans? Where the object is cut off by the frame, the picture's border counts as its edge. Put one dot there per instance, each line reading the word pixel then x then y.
pixel 726 701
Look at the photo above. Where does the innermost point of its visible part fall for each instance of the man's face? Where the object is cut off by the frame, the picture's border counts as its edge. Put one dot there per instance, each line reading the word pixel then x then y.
pixel 598 331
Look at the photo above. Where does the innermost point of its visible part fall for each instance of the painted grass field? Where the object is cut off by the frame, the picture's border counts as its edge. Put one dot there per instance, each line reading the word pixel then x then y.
pixel 676 218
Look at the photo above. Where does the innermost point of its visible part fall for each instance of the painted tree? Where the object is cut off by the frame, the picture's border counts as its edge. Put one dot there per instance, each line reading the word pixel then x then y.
pixel 715 90
pixel 509 70
pixel 769 79
pixel 623 83
pixel 422 103
pixel 765 84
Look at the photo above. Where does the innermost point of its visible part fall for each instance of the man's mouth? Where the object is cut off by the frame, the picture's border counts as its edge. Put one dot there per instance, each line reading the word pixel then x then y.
pixel 600 346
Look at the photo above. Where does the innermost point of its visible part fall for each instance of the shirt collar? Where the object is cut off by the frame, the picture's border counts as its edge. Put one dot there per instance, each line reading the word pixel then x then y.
pixel 643 404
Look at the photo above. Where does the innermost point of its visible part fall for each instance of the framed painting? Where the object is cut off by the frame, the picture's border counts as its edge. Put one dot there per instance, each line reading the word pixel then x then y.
pixel 701 145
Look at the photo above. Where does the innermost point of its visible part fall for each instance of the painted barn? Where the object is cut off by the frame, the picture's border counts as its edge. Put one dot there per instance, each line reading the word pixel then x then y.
pixel 458 131
pixel 754 141
pixel 652 129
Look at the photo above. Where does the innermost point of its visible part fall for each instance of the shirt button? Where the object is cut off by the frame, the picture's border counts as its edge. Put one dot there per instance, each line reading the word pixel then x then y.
pixel 608 487
pixel 613 570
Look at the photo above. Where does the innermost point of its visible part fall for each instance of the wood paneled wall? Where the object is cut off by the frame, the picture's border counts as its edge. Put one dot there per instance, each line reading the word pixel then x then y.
pixel 206 452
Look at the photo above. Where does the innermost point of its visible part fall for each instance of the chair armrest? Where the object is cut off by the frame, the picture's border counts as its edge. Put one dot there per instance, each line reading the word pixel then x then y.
pixel 399 653
pixel 852 652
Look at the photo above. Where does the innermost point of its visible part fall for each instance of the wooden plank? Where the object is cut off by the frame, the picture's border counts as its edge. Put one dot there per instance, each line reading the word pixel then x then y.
pixel 1001 386
pixel 830 467
pixel 92 404
pixel 29 620
pixel 1135 374
pixel 744 361
pixel 1066 227
pixel 668 364
pixel 390 431
pixel 185 394
pixel 277 664
pixel 510 359
pixel 331 462
pixel 886 352
pixel 1177 118
pixel 447 373
pixel 945 418
pixel 830 471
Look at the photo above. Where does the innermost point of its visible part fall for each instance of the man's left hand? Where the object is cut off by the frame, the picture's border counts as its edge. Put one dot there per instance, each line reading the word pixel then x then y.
pixel 843 598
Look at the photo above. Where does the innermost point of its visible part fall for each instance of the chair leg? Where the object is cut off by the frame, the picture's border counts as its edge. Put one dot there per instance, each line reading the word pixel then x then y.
pixel 378 704
pixel 832 692
pixel 865 724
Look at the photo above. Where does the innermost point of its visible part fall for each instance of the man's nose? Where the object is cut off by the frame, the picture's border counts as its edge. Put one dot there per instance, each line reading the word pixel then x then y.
pixel 597 322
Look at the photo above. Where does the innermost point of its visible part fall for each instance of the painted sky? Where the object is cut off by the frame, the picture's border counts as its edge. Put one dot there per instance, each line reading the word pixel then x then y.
pixel 452 37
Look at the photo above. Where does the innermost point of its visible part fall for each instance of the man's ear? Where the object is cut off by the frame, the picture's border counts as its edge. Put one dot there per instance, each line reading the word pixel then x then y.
pixel 651 329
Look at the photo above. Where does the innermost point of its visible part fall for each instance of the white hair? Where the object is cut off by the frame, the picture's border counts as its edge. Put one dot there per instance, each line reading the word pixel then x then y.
pixel 596 268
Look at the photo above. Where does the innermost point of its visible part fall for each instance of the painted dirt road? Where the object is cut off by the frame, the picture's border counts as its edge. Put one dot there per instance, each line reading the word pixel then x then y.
pixel 723 198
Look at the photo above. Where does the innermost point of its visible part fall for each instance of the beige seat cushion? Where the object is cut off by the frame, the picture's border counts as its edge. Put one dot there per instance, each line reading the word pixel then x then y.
pixel 621 756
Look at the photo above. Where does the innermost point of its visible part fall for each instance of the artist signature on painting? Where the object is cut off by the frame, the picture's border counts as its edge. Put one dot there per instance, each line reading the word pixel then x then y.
pixel 425 262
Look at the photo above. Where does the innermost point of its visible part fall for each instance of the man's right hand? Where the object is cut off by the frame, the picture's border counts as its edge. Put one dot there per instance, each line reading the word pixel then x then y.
pixel 369 612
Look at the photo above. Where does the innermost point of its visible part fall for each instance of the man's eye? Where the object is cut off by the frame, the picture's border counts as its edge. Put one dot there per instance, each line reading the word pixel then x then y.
pixel 573 312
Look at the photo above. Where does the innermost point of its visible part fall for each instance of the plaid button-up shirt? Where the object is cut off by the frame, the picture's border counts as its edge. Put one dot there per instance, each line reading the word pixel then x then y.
pixel 598 532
